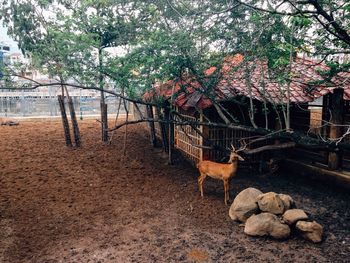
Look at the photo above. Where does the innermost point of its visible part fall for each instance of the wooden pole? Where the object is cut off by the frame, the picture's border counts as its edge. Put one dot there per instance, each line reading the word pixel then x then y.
pixel 64 121
pixel 325 118
pixel 335 131
pixel 151 126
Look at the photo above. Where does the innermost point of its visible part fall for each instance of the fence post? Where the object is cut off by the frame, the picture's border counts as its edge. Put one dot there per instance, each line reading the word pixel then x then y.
pixel 170 136
pixel 337 111
pixel 325 118
pixel 204 153
pixel 163 129
pixel 151 125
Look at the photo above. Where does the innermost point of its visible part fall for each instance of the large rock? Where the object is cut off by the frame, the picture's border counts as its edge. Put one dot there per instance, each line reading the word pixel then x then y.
pixel 287 200
pixel 293 215
pixel 266 224
pixel 311 231
pixel 245 204
pixel 271 202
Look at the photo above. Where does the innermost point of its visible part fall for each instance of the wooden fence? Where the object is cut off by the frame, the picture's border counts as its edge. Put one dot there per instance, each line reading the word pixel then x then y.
pixel 188 140
pixel 308 119
pixel 191 143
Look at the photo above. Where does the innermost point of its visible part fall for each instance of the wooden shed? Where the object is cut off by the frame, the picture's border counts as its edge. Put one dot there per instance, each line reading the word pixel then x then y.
pixel 236 92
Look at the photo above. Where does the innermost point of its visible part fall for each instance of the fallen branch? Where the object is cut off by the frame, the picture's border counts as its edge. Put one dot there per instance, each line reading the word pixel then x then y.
pixel 271 147
pixel 10 123
pixel 299 140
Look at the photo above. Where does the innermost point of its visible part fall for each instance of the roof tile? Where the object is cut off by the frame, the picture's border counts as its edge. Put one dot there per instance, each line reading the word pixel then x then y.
pixel 233 83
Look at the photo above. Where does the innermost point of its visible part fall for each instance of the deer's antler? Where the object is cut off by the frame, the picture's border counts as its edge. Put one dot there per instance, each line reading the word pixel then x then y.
pixel 243 146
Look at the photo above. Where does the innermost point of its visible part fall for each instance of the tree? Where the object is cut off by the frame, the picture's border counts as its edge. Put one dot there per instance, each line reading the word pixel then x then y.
pixel 178 39
pixel 69 39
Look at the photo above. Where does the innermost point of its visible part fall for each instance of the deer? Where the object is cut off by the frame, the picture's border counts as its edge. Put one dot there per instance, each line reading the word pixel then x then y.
pixel 219 171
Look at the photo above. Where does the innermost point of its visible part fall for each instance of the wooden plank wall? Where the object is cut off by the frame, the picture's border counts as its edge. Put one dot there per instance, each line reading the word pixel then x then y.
pixel 320 128
pixel 187 141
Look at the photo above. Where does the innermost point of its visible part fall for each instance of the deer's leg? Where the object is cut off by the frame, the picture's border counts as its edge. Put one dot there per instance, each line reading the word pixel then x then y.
pixel 200 183
pixel 226 191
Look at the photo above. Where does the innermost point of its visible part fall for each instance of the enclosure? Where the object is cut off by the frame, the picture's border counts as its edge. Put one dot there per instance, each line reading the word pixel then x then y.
pixel 94 204
pixel 260 88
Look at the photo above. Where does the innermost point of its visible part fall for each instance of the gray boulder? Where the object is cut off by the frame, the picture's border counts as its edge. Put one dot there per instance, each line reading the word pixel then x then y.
pixel 271 202
pixel 293 215
pixel 311 231
pixel 266 224
pixel 245 204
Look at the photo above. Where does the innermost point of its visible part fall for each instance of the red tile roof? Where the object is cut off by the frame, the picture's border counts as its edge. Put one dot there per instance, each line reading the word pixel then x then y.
pixel 188 91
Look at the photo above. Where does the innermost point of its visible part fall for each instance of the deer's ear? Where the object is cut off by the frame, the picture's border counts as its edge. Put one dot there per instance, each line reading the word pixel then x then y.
pixel 240 158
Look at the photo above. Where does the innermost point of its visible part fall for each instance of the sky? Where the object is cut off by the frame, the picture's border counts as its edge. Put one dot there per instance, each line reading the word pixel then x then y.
pixel 5 38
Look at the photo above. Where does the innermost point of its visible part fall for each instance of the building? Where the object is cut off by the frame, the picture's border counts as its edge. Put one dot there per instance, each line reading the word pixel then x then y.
pixel 4 49
pixel 267 97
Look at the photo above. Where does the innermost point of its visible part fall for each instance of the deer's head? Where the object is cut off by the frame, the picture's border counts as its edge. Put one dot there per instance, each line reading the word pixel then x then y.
pixel 234 156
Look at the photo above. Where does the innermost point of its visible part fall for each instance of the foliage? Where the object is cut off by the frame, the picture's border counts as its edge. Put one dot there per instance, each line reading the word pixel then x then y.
pixel 64 37
pixel 160 40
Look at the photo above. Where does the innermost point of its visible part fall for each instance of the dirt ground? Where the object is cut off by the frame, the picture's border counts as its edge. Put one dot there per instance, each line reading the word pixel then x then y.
pixel 94 205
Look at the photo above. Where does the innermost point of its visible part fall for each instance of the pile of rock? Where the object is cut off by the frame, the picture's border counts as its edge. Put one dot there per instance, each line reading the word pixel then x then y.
pixel 272 214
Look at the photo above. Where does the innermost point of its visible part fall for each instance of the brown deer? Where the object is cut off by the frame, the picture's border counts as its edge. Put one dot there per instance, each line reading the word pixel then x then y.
pixel 220 171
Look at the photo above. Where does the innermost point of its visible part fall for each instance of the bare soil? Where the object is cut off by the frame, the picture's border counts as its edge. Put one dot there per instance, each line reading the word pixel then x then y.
pixel 94 205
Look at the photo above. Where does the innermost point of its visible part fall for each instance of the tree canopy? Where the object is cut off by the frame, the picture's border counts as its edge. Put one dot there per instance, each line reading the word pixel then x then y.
pixel 152 41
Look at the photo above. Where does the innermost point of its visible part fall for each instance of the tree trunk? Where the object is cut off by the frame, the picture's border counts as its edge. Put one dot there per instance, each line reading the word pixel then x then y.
pixel 264 93
pixel 163 130
pixel 251 110
pixel 104 120
pixel 289 82
pixel 74 122
pixel 64 121
pixel 336 131
pixel 126 127
pixel 204 154
pixel 103 105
